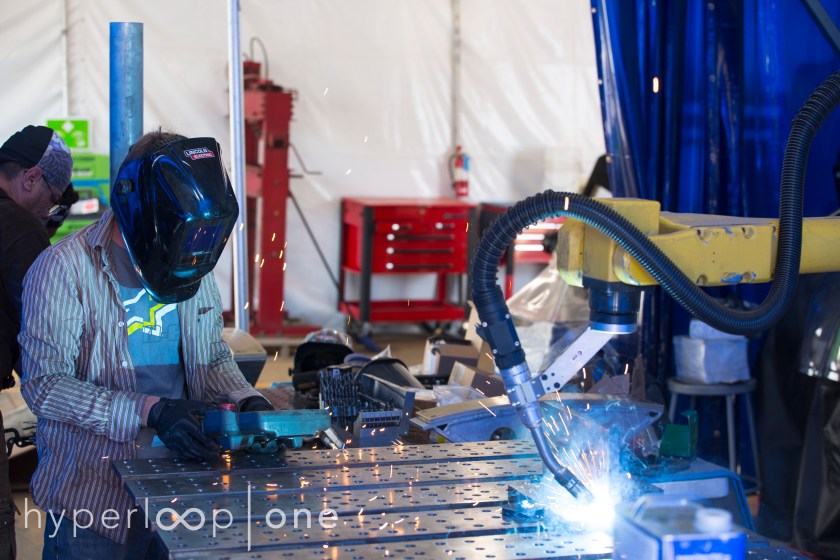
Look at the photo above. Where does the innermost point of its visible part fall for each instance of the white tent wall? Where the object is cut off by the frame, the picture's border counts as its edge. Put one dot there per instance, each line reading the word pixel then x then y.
pixel 373 103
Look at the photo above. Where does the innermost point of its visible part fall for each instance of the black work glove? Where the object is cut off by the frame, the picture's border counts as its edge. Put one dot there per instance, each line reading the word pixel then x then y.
pixel 178 425
pixel 254 404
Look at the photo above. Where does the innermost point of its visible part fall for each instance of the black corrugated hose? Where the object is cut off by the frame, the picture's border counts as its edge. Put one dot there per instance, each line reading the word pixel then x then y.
pixel 493 311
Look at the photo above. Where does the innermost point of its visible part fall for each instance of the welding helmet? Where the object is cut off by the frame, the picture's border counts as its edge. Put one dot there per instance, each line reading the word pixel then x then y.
pixel 175 209
pixel 322 348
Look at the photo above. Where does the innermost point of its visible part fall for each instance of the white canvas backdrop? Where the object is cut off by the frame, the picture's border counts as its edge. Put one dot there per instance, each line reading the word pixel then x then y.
pixel 372 112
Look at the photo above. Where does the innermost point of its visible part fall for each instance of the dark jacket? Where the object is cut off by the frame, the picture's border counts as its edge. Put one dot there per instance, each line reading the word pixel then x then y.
pixel 22 238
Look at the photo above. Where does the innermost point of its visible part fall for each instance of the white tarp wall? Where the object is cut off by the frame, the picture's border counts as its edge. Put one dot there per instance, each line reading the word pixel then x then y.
pixel 373 108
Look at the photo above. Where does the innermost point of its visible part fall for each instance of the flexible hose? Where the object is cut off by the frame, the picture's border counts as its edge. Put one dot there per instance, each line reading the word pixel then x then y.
pixel 497 326
pixel 551 204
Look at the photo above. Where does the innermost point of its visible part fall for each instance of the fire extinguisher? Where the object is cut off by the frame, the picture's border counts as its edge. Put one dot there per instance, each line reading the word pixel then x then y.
pixel 459 172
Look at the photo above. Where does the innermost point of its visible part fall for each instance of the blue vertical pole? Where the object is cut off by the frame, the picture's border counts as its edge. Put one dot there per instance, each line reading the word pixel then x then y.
pixel 126 89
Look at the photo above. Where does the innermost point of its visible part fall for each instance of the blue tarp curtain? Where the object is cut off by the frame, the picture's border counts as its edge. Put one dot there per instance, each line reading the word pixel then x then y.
pixel 697 98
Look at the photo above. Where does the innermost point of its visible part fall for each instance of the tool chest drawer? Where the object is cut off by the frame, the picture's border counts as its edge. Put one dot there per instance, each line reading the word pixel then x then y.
pixel 405 236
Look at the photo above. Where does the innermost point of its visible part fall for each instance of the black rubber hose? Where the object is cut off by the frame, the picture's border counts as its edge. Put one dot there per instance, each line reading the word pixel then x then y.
pixel 488 297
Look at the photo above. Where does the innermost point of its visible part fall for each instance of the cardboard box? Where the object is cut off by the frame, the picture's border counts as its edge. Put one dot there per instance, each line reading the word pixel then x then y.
pixel 450 354
pixel 487 384
pixel 486 363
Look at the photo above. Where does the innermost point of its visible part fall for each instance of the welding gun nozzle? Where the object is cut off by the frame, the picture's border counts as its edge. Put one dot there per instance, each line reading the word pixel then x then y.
pixel 576 488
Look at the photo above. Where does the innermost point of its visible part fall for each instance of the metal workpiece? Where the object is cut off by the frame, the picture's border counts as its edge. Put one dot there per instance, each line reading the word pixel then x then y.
pixel 264 429
pixel 408 502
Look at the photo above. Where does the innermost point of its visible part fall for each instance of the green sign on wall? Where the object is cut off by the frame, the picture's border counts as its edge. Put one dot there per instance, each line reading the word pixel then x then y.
pixel 75 132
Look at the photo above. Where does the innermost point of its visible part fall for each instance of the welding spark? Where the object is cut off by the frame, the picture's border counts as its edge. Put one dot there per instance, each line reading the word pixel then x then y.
pixel 487 409
pixel 383 525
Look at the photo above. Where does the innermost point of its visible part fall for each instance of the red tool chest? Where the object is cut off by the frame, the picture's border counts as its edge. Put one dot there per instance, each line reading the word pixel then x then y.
pixel 405 236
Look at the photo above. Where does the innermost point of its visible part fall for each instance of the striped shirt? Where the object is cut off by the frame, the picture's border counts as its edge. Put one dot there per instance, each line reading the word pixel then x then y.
pixel 78 376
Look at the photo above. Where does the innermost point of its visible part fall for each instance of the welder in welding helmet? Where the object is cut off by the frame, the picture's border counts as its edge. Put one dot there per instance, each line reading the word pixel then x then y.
pixel 175 209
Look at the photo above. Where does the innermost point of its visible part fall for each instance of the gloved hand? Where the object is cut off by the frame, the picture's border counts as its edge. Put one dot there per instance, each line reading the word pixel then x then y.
pixel 254 404
pixel 178 426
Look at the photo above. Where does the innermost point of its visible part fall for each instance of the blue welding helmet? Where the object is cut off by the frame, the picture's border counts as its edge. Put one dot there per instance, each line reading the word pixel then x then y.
pixel 175 209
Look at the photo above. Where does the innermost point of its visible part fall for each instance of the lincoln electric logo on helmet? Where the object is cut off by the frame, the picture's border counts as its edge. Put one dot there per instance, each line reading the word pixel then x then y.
pixel 199 153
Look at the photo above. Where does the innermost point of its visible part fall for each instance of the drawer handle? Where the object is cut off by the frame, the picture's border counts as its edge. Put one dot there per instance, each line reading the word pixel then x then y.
pixel 396 251
pixel 391 266
pixel 420 237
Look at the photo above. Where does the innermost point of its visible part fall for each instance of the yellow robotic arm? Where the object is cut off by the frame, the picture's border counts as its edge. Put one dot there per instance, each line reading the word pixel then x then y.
pixel 616 247
pixel 710 250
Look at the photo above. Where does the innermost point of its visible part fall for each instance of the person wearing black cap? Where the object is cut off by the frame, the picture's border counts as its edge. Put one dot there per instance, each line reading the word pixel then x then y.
pixel 35 167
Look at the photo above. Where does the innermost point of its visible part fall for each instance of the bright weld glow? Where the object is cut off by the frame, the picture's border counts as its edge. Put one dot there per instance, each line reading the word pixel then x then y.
pixel 655 84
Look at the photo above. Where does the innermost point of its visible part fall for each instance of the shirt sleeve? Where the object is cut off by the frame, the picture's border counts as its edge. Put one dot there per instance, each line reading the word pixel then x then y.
pixel 224 381
pixel 51 330
pixel 21 254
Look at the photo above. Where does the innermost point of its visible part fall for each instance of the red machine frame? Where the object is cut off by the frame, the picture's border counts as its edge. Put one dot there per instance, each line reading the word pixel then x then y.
pixel 268 113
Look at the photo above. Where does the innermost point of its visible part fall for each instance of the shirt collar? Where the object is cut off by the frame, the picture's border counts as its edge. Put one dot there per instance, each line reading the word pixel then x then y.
pixel 100 237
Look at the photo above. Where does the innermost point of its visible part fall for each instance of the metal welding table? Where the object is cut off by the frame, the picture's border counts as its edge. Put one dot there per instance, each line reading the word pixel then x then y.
pixel 418 502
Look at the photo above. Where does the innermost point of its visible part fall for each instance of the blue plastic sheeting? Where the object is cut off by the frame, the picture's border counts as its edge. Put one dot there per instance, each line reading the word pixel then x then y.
pixel 698 96
pixel 697 100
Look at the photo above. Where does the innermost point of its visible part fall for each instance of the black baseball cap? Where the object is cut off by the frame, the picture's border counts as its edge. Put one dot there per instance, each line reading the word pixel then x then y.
pixel 40 146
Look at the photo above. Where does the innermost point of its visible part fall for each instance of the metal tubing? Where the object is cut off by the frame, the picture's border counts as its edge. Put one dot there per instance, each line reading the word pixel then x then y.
pixel 126 89
pixel 237 170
